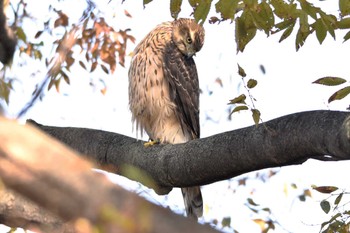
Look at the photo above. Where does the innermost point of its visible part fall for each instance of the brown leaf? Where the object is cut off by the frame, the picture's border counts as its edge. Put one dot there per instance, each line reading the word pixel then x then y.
pixel 62 20
pixel 219 81
pixel 131 38
pixel 69 60
pixel 82 65
pixel 57 85
pixel 127 14
pixel 104 68
pixel 93 66
pixel 38 34
pixel 95 47
pixel 325 189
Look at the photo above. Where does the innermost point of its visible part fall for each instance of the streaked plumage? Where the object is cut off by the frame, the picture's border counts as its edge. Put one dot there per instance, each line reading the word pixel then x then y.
pixel 164 89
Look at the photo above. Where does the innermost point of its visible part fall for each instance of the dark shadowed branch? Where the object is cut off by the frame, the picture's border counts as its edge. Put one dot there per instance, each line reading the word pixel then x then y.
pixel 287 140
pixel 8 40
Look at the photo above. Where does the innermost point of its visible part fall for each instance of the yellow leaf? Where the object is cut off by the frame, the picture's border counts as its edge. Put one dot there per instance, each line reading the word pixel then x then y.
pixel 261 223
pixel 104 90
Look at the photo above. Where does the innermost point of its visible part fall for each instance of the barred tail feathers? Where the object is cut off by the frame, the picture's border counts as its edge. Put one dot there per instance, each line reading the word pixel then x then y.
pixel 193 201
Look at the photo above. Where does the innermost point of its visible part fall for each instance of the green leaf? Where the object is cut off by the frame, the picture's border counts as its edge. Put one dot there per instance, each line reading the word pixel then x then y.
pixel 5 89
pixel 344 23
pixel 344 7
pixel 37 54
pixel 238 100
pixel 330 81
pixel 300 40
pixel 260 22
pixel 325 189
pixel 303 32
pixel 309 8
pixel 226 222
pixel 325 206
pixel 321 30
pixel 267 16
pixel 323 225
pixel 287 32
pixel 21 35
pixel 347 36
pixel 330 21
pixel 194 3
pixel 145 2
pixel 201 11
pixel 302 198
pixel 284 24
pixel 256 116
pixel 227 8
pixel 334 217
pixel 252 202
pixel 252 83
pixel 245 30
pixel 340 94
pixel 175 8
pixel 338 199
pixel 281 8
pixel 241 71
pixel 239 108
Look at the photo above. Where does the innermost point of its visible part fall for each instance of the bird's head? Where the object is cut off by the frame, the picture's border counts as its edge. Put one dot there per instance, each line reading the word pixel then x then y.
pixel 188 36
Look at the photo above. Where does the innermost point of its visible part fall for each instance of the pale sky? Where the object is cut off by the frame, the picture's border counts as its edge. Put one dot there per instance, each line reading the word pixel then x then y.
pixel 285 88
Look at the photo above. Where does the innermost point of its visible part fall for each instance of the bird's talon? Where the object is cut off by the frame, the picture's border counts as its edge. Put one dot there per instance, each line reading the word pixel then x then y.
pixel 151 143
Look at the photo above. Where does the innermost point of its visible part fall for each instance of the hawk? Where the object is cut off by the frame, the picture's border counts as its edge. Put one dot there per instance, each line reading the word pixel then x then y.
pixel 164 90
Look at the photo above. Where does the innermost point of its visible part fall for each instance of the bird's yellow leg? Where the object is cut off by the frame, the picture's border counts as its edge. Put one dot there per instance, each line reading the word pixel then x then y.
pixel 151 143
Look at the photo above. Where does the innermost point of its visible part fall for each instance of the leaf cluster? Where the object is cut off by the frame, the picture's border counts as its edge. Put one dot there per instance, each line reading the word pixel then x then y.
pixel 271 17
pixel 334 81
pixel 340 219
pixel 99 44
pixel 240 101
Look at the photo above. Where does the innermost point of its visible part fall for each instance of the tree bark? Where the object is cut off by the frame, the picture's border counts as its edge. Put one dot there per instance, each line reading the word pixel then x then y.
pixel 287 140
pixel 53 176
pixel 18 211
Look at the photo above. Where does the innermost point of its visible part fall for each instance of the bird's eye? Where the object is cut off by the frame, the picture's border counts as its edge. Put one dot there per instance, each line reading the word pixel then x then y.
pixel 189 40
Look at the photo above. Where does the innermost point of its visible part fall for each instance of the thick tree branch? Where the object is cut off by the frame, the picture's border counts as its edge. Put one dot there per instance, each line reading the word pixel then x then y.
pixel 283 141
pixel 53 176
pixel 17 211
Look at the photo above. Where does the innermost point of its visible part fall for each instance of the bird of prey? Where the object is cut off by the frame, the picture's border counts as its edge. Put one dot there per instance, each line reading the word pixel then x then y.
pixel 164 90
